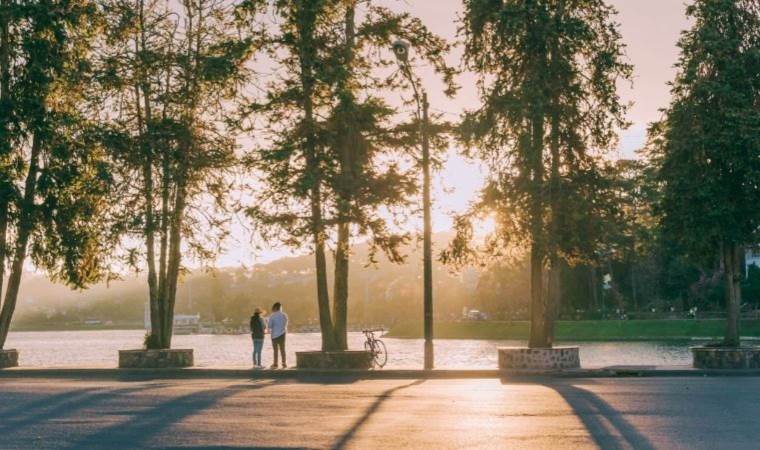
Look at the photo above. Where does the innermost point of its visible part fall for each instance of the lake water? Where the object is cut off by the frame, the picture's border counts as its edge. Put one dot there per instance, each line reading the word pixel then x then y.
pixel 100 349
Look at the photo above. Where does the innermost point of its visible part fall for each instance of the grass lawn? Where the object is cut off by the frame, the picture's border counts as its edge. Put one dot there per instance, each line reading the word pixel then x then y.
pixel 582 330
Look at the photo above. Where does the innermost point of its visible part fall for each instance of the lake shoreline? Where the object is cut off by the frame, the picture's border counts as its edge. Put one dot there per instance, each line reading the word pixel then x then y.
pixel 584 330
pixel 99 348
pixel 654 330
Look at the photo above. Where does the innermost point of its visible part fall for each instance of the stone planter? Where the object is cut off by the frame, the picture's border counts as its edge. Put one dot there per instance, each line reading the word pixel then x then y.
pixel 523 358
pixel 155 359
pixel 8 358
pixel 359 359
pixel 726 357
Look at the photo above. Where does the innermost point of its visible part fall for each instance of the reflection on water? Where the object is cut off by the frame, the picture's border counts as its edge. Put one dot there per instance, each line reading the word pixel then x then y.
pixel 99 349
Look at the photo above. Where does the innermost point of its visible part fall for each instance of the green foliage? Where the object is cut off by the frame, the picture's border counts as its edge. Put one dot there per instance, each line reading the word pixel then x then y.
pixel 168 82
pixel 708 146
pixel 54 179
pixel 547 80
pixel 555 66
pixel 333 161
pixel 581 330
pixel 49 48
pixel 151 342
pixel 751 286
pixel 348 102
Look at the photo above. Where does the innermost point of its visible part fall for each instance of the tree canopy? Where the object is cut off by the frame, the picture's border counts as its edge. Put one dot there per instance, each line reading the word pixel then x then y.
pixel 549 108
pixel 707 147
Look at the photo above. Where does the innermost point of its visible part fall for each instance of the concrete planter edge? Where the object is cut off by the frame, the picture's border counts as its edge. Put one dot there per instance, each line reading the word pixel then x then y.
pixel 732 358
pixel 526 358
pixel 8 358
pixel 349 359
pixel 156 359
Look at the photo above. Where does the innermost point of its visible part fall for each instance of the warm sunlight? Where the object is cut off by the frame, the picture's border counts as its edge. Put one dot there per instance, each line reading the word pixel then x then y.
pixel 379 224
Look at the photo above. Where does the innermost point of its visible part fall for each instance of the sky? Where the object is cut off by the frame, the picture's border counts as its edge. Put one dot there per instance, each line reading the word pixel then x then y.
pixel 650 30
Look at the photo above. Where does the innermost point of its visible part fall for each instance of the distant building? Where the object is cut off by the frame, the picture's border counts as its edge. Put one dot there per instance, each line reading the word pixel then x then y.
pixel 187 323
pixel 751 256
pixel 183 323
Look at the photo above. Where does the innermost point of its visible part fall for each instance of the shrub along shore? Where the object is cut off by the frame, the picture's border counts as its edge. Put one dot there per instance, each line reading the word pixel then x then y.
pixel 582 330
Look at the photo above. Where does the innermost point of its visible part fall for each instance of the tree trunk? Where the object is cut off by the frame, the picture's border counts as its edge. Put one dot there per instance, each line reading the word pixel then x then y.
pixel 553 292
pixel 323 297
pixel 733 274
pixel 26 224
pixel 155 318
pixel 144 125
pixel 174 259
pixel 3 239
pixel 593 286
pixel 344 194
pixel 164 233
pixel 5 184
pixel 149 230
pixel 320 261
pixel 305 23
pixel 538 331
pixel 538 325
pixel 553 297
pixel 340 295
pixel 634 287
pixel 539 68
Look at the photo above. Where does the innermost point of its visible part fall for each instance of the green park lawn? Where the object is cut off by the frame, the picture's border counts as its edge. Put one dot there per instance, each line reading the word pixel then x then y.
pixel 582 330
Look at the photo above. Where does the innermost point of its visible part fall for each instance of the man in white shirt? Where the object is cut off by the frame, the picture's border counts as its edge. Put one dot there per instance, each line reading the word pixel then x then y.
pixel 278 327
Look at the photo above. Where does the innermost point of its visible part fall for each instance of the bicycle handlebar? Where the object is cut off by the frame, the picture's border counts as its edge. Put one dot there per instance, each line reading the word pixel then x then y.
pixel 373 330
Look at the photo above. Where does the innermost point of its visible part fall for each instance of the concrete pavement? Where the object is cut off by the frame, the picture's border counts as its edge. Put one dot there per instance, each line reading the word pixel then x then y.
pixel 306 374
pixel 337 412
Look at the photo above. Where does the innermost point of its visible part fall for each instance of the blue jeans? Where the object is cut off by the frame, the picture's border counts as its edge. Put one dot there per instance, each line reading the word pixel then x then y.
pixel 258 345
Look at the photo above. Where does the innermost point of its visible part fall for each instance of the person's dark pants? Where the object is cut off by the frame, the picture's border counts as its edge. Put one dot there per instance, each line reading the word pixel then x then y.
pixel 279 343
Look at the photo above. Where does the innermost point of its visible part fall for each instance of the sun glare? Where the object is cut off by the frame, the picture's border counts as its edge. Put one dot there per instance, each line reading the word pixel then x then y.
pixel 485 226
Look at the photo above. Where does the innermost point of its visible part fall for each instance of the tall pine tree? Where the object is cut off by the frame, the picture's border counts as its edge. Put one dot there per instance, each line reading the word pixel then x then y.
pixel 335 157
pixel 708 145
pixel 548 71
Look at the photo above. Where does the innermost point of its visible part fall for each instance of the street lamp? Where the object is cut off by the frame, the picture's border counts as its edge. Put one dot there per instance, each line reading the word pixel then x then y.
pixel 401 50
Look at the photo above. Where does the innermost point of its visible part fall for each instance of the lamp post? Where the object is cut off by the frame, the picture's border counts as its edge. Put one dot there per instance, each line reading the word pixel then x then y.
pixel 401 50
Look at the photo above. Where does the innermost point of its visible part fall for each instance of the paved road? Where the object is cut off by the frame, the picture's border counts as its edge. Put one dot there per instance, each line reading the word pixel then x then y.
pixel 667 413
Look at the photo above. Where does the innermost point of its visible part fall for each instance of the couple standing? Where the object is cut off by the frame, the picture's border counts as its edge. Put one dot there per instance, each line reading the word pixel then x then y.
pixel 277 327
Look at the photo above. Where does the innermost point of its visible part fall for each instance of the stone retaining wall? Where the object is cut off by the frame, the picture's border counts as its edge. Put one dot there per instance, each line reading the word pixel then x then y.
pixel 8 358
pixel 539 358
pixel 155 359
pixel 359 359
pixel 726 357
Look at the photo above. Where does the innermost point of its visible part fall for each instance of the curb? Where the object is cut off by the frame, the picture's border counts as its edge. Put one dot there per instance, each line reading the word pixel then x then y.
pixel 299 374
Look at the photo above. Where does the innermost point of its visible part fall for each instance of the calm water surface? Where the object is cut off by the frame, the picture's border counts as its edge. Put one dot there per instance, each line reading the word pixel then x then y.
pixel 99 349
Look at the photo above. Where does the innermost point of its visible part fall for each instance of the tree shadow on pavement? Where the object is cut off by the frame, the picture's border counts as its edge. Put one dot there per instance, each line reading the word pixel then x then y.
pixel 608 428
pixel 230 447
pixel 31 414
pixel 327 379
pixel 145 424
pixel 344 439
pixel 45 401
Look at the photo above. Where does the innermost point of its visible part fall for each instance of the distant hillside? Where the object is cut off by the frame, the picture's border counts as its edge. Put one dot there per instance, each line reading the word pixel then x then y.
pixel 381 293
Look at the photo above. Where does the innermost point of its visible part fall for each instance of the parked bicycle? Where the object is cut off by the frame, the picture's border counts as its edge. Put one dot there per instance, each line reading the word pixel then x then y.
pixel 376 347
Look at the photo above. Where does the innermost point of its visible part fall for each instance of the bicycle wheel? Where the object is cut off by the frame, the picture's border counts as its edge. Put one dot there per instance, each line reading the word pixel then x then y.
pixel 370 348
pixel 381 354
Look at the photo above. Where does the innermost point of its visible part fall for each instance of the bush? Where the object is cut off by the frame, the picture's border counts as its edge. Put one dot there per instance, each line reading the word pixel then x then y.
pixel 151 342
